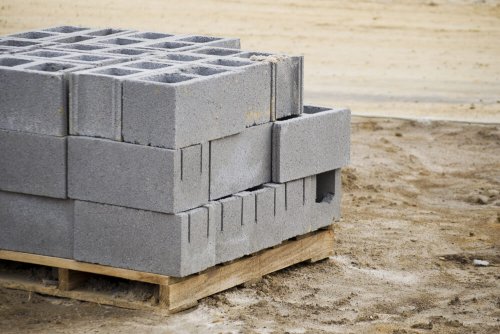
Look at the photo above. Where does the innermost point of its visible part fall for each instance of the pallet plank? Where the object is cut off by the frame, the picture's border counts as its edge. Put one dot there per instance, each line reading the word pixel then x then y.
pixel 174 294
pixel 82 266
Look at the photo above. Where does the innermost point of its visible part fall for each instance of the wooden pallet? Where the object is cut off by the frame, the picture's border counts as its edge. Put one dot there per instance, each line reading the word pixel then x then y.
pixel 171 294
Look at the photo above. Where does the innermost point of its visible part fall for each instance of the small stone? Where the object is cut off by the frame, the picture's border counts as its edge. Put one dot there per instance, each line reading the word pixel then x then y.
pixel 480 263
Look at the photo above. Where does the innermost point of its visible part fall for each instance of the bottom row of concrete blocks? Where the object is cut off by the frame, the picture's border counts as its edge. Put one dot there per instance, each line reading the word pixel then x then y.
pixel 169 244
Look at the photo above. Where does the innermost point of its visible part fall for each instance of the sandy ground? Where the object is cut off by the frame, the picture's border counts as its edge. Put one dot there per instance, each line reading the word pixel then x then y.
pixel 429 58
pixel 421 202
pixel 421 198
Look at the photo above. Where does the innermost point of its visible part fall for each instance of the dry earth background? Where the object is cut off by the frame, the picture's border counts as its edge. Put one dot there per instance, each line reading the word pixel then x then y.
pixel 421 198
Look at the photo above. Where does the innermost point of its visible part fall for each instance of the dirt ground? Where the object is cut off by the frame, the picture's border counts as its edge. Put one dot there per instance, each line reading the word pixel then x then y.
pixel 421 202
pixel 407 58
pixel 421 198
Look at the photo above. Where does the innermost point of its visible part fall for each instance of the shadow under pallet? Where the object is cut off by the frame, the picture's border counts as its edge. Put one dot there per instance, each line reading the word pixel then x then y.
pixel 146 291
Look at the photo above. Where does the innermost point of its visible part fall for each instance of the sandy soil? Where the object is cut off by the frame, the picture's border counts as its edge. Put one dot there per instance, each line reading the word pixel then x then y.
pixel 421 202
pixel 427 58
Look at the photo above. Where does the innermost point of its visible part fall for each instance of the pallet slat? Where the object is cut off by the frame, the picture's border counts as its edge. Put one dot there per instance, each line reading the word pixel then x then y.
pixel 174 294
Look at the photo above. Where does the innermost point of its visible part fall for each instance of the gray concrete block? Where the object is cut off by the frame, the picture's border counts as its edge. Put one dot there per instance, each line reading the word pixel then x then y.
pixel 297 210
pixel 96 101
pixel 315 142
pixel 35 224
pixel 168 244
pixel 257 74
pixel 199 251
pixel 287 80
pixel 241 161
pixel 231 241
pixel 33 164
pixel 268 226
pixel 248 220
pixel 170 115
pixel 325 195
pixel 33 95
pixel 137 176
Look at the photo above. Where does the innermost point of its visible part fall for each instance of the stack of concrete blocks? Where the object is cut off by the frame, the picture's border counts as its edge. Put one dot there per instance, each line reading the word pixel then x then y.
pixel 158 152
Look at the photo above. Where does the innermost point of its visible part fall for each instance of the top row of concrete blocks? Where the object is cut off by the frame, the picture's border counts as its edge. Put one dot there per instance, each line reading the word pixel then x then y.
pixel 66 35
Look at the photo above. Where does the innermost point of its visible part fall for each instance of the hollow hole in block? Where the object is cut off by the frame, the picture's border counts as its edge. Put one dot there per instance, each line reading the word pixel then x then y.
pixel 74 39
pixel 169 78
pixel 325 186
pixel 202 70
pixel 10 62
pixel 314 110
pixel 83 47
pixel 33 35
pixel 148 65
pixel 66 29
pixel 218 52
pixel 170 45
pixel 181 57
pixel 252 54
pixel 105 32
pixel 117 72
pixel 229 62
pixel 129 52
pixel 151 35
pixel 47 54
pixel 119 41
pixel 17 43
pixel 286 118
pixel 88 58
pixel 51 67
pixel 200 39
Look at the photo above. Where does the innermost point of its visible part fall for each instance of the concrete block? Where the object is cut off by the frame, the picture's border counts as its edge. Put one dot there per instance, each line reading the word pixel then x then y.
pixel 33 164
pixel 241 161
pixel 287 79
pixel 326 191
pixel 199 251
pixel 170 115
pixel 175 245
pixel 297 210
pixel 96 101
pixel 136 176
pixel 33 95
pixel 231 241
pixel 315 142
pixel 268 226
pixel 34 224
pixel 256 73
pixel 248 220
